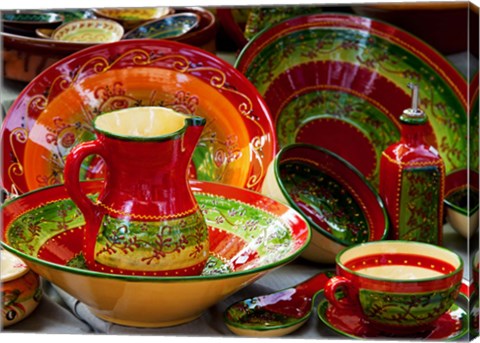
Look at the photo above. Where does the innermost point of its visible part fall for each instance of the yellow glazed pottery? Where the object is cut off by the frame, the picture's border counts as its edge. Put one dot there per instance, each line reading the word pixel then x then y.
pixel 20 289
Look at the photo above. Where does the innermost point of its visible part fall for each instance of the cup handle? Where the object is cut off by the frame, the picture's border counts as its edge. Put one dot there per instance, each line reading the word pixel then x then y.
pixel 346 287
pixel 72 180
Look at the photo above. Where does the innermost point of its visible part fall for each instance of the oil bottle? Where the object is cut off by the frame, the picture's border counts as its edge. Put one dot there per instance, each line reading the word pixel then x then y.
pixel 412 180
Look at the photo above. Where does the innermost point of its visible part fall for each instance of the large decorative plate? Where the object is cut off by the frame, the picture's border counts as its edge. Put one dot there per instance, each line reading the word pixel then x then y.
pixel 55 111
pixel 313 68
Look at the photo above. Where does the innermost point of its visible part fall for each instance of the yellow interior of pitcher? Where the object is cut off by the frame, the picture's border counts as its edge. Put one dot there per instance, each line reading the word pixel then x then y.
pixel 141 122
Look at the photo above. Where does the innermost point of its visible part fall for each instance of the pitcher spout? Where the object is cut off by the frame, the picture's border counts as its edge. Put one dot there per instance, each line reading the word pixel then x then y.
pixel 195 125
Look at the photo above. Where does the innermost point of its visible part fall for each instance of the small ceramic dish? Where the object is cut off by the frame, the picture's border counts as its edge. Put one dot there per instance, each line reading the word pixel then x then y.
pixel 31 20
pixel 170 26
pixel 340 205
pixel 20 288
pixel 133 16
pixel 250 235
pixel 330 77
pixel 89 31
pixel 236 145
pixel 461 201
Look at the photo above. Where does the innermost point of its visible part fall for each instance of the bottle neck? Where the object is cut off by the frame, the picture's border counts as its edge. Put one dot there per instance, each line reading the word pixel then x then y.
pixel 413 134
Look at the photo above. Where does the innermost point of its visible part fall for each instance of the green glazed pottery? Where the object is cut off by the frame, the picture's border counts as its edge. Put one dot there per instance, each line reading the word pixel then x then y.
pixel 356 70
pixel 399 287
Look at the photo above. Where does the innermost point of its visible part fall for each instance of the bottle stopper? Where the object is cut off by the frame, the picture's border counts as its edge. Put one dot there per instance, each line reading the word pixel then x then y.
pixel 413 114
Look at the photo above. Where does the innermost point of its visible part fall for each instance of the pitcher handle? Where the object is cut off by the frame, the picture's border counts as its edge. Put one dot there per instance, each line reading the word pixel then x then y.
pixel 73 164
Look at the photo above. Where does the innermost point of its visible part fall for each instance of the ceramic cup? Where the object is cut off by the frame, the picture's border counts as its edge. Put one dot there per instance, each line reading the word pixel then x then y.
pixel 400 287
pixel 20 289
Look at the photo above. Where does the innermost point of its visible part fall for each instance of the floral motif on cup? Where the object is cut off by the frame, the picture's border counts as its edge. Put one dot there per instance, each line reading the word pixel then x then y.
pixel 152 244
pixel 419 202
pixel 406 309
pixel 325 201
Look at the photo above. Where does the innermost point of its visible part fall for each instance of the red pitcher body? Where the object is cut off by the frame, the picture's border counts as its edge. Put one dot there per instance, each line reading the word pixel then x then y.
pixel 146 221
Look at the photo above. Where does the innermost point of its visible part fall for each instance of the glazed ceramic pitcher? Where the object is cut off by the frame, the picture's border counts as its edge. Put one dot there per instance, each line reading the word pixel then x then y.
pixel 146 221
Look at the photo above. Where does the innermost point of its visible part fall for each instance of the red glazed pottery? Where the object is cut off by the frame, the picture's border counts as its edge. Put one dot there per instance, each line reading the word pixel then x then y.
pixel 250 235
pixel 20 289
pixel 399 287
pixel 146 221
pixel 412 180
pixel 355 70
pixel 55 112
pixel 451 326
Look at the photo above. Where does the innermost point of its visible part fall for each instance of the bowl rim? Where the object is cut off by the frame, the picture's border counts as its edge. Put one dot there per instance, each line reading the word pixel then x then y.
pixel 245 56
pixel 291 203
pixel 457 270
pixel 158 279
pixel 165 18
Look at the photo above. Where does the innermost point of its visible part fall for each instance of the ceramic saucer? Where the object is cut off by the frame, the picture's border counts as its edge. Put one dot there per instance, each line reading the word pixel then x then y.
pixel 451 326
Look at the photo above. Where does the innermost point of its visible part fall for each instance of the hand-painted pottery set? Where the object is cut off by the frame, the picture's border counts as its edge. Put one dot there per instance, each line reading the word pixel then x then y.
pixel 150 179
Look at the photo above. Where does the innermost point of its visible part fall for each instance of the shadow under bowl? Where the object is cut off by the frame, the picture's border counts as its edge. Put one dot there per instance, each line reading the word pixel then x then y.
pixel 340 205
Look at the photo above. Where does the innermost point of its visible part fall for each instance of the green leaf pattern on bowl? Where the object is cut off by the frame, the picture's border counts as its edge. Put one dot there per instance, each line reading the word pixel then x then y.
pixel 445 111
pixel 268 234
pixel 331 202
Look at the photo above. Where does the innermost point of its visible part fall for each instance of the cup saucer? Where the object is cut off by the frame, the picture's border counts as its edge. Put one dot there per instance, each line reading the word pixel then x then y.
pixel 451 326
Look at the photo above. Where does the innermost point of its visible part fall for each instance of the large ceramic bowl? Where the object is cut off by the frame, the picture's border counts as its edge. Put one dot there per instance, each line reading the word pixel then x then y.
pixel 341 82
pixel 55 112
pixel 250 235
pixel 340 205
